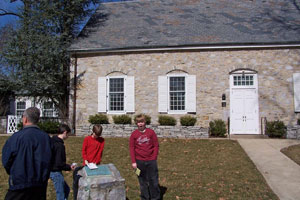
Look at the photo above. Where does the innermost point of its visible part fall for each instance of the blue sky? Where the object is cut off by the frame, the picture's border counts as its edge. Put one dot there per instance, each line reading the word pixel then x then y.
pixel 6 5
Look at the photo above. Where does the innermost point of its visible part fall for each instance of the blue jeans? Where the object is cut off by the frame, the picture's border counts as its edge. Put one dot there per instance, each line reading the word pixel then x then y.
pixel 61 187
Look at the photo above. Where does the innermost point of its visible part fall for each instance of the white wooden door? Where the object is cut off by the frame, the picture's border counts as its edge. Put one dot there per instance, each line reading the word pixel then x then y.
pixel 244 111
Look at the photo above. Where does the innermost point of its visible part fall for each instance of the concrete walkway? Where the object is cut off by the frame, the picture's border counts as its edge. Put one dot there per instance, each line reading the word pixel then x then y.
pixel 281 173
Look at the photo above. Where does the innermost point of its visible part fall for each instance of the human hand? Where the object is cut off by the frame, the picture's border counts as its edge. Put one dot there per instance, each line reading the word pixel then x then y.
pixel 86 162
pixel 134 165
pixel 73 166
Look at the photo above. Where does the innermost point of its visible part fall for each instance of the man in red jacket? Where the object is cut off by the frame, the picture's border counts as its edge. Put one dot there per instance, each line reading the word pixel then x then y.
pixel 144 148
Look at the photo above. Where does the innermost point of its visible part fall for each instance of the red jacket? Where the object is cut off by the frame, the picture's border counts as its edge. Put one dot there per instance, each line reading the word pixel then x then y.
pixel 143 146
pixel 92 149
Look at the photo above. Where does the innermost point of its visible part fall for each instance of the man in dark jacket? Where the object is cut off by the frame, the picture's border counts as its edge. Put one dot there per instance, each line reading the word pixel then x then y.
pixel 26 157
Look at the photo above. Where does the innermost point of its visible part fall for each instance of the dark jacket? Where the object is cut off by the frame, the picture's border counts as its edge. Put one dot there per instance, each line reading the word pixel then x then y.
pixel 26 157
pixel 59 155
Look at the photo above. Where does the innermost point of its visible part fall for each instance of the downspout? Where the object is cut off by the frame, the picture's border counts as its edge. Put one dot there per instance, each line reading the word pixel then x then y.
pixel 75 94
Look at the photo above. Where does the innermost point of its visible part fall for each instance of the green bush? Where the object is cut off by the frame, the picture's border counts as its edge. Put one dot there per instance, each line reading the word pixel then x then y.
pixel 276 129
pixel 217 128
pixel 148 119
pixel 122 119
pixel 188 121
pixel 50 127
pixel 98 119
pixel 165 120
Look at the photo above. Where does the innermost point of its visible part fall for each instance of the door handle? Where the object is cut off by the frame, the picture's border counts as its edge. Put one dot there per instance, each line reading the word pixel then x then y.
pixel 244 118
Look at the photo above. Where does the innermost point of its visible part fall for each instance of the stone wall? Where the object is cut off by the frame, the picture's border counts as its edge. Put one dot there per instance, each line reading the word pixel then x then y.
pixel 275 69
pixel 293 132
pixel 116 130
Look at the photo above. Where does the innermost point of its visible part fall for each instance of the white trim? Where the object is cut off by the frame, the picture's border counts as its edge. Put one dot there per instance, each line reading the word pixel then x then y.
pixel 129 106
pixel 163 94
pixel 88 51
pixel 119 112
pixel 102 96
pixel 296 84
pixel 185 81
pixel 256 115
pixel 190 100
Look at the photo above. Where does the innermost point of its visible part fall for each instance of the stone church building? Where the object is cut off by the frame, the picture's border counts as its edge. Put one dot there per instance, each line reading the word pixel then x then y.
pixel 234 60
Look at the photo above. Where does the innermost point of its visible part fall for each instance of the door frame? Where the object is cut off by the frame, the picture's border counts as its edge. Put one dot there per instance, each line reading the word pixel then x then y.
pixel 244 72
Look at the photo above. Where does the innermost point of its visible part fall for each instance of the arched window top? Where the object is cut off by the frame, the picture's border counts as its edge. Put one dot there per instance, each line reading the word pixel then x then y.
pixel 176 71
pixel 243 71
pixel 116 73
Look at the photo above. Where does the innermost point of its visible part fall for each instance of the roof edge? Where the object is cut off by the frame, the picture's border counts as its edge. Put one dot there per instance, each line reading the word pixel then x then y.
pixel 186 47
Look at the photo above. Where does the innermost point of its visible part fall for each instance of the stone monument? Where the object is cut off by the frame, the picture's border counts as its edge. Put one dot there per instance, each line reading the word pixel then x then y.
pixel 103 183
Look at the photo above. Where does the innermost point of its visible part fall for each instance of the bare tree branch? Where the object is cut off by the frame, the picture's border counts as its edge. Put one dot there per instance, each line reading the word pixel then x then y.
pixel 4 13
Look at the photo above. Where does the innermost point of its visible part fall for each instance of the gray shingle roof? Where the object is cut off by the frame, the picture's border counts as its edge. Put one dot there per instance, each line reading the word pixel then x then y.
pixel 165 23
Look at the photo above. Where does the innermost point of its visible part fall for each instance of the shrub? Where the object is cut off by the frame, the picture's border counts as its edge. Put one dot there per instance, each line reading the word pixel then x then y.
pixel 148 119
pixel 50 127
pixel 122 119
pixel 188 120
pixel 98 119
pixel 298 122
pixel 276 129
pixel 217 128
pixel 165 120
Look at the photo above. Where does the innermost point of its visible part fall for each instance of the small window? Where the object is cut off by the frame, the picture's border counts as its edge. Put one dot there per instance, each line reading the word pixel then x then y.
pixel 243 80
pixel 177 93
pixel 21 107
pixel 48 109
pixel 116 94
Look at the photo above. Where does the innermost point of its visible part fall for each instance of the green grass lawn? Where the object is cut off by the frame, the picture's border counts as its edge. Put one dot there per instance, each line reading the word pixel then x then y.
pixel 188 169
pixel 293 152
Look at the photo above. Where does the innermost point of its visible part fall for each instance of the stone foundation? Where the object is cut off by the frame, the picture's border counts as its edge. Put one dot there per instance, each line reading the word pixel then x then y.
pixel 118 130
pixel 293 132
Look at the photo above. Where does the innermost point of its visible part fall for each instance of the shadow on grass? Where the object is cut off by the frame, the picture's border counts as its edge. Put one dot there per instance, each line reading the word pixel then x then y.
pixel 163 190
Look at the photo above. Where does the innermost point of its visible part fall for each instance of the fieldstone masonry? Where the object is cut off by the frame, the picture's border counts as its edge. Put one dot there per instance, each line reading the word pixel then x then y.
pixel 274 68
pixel 102 187
pixel 117 130
pixel 293 132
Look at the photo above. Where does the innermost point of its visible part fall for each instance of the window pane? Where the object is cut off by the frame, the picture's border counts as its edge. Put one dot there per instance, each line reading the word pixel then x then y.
pixel 177 93
pixel 177 84
pixel 21 106
pixel 242 80
pixel 116 102
pixel 116 85
pixel 48 109
pixel 116 94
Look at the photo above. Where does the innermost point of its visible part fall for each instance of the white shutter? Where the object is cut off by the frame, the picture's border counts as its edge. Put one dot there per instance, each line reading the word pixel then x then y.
pixel 296 79
pixel 162 94
pixel 102 94
pixel 129 94
pixel 191 94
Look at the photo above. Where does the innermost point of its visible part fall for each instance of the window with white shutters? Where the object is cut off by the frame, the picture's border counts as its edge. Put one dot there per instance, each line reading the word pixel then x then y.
pixel 116 94
pixel 296 81
pixel 177 94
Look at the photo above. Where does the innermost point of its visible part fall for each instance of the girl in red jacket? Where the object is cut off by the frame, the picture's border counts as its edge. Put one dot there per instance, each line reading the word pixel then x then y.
pixel 144 147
